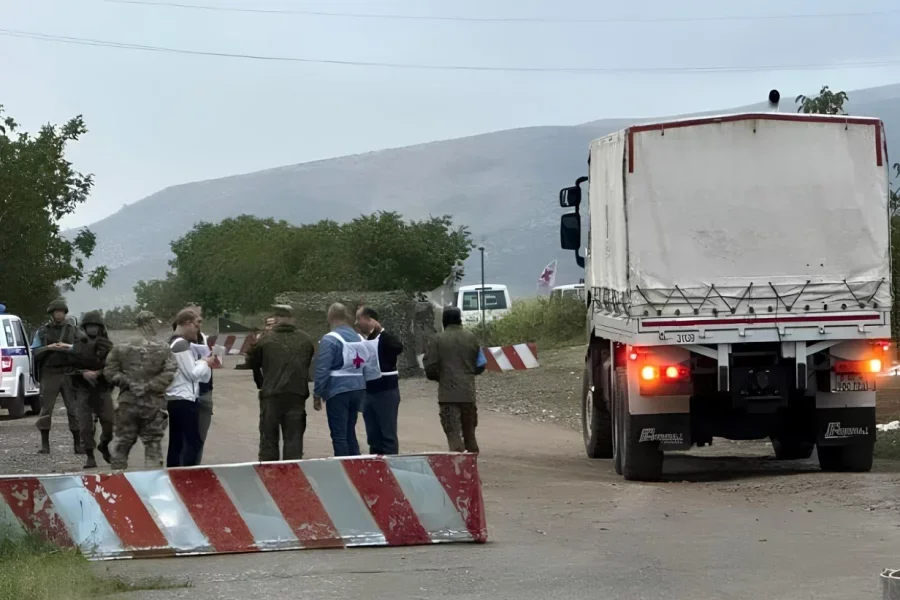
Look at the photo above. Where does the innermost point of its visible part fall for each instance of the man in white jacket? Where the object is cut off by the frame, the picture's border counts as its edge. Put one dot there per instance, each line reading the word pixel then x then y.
pixel 185 442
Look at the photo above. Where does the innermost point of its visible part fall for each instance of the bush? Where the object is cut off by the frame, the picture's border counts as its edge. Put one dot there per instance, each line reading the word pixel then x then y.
pixel 547 322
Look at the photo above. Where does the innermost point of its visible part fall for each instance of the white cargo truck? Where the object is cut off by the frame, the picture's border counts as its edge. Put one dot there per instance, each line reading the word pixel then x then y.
pixel 738 282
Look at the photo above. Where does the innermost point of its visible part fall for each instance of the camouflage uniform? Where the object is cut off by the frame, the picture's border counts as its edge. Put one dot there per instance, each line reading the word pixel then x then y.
pixel 451 360
pixel 142 369
pixel 283 356
pixel 93 397
pixel 51 365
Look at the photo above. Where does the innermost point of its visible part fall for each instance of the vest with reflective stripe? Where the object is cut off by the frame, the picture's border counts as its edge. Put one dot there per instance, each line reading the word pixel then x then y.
pixel 359 358
pixel 377 341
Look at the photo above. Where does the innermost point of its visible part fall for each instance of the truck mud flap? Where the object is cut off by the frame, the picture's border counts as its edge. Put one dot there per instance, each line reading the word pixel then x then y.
pixel 671 430
pixel 845 426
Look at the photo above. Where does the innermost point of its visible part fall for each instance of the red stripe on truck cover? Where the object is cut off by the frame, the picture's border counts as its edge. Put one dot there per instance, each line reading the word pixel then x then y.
pixel 756 117
pixel 760 320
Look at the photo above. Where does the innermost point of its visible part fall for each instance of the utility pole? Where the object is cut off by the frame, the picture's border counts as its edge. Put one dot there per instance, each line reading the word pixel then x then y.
pixel 481 301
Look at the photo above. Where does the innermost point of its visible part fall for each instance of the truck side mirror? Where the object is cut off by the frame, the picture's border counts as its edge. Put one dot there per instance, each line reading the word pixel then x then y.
pixel 570 197
pixel 570 231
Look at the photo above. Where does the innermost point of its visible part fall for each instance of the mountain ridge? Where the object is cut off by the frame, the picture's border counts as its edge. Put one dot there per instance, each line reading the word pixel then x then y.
pixel 502 184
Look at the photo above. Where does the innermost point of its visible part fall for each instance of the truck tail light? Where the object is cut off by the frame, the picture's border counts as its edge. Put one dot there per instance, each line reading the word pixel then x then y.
pixel 668 373
pixel 649 373
pixel 873 365
pixel 6 364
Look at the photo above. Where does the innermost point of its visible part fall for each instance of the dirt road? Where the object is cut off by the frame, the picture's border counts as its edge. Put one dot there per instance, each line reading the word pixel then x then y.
pixel 724 525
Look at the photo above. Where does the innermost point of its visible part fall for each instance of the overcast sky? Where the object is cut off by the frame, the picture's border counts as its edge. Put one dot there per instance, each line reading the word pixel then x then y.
pixel 158 119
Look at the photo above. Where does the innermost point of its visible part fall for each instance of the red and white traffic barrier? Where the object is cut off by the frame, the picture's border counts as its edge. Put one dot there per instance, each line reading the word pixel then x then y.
pixel 518 357
pixel 333 503
pixel 232 344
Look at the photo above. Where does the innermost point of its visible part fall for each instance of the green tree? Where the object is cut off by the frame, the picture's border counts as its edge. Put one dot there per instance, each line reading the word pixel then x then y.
pixel 826 103
pixel 392 254
pixel 38 187
pixel 264 257
pixel 163 297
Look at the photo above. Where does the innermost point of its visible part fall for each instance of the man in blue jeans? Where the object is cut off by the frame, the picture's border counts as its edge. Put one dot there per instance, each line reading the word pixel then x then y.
pixel 343 363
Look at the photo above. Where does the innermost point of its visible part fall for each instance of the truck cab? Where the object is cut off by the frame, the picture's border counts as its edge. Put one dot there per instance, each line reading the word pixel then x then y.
pixel 738 282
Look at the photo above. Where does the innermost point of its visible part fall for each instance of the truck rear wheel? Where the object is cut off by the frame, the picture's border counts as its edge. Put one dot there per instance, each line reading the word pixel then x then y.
pixel 787 449
pixel 595 418
pixel 854 458
pixel 640 461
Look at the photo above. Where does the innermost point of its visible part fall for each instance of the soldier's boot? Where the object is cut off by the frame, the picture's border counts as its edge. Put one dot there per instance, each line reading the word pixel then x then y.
pixel 91 462
pixel 45 442
pixel 103 448
pixel 77 446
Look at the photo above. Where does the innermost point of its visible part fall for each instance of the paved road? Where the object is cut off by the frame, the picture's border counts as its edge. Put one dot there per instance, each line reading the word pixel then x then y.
pixel 726 525
pixel 564 527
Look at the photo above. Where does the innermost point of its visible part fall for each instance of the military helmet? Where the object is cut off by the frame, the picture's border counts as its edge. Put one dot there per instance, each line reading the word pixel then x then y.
pixel 145 317
pixel 58 305
pixel 93 317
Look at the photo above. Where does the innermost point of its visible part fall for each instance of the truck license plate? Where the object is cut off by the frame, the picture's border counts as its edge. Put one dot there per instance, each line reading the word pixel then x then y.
pixel 843 382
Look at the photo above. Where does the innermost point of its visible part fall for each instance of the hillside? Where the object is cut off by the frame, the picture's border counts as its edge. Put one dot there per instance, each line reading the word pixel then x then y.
pixel 503 185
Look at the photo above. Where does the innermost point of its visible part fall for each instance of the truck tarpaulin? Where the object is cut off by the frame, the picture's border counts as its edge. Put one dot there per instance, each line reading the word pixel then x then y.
pixel 742 210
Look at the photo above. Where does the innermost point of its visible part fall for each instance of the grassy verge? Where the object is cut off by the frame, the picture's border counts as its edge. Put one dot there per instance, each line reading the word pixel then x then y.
pixel 548 322
pixel 887 445
pixel 32 569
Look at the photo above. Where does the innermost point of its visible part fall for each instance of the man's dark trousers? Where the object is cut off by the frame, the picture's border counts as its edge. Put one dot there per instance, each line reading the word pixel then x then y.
pixel 380 414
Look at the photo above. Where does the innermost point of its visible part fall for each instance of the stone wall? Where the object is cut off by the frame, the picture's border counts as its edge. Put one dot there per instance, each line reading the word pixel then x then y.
pixel 401 313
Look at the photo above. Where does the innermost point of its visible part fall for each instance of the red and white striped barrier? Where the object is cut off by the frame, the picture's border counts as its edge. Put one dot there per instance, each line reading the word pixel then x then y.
pixel 232 344
pixel 333 503
pixel 511 358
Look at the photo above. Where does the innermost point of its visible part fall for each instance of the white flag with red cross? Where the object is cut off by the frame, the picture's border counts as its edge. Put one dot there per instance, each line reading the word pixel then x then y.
pixel 548 276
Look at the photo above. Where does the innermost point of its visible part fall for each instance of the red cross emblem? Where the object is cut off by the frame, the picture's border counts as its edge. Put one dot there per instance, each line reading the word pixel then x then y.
pixel 358 361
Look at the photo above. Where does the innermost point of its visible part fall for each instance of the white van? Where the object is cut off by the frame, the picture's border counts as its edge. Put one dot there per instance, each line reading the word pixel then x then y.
pixel 568 290
pixel 495 298
pixel 17 386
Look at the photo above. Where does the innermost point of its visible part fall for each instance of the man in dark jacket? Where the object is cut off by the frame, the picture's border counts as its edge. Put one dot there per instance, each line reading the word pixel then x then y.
pixel 93 394
pixel 453 359
pixel 51 346
pixel 383 394
pixel 283 355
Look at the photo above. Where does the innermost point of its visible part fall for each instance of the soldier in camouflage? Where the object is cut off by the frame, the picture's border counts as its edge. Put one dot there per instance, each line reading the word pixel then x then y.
pixel 453 359
pixel 51 345
pixel 142 368
pixel 93 393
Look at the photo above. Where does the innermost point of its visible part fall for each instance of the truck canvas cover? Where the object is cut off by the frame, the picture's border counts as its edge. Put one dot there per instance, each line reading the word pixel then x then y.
pixel 741 214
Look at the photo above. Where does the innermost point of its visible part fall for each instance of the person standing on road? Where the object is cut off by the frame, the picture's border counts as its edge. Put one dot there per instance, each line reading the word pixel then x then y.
pixel 382 394
pixel 50 346
pixel 342 367
pixel 93 394
pixel 142 369
pixel 204 391
pixel 453 358
pixel 282 356
pixel 183 393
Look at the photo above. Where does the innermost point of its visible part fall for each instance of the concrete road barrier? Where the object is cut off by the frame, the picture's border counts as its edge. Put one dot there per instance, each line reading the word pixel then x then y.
pixel 321 503
pixel 890 584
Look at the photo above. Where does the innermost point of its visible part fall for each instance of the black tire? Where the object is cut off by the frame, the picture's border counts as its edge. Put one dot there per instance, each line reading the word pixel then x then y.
pixel 17 406
pixel 639 461
pixel 791 449
pixel 856 458
pixel 596 423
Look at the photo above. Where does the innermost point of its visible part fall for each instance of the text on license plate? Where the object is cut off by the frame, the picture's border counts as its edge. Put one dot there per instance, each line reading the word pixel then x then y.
pixel 850 383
